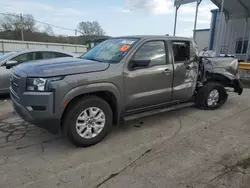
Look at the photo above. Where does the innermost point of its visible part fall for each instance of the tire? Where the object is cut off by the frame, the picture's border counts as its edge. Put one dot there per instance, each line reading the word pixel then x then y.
pixel 86 105
pixel 202 97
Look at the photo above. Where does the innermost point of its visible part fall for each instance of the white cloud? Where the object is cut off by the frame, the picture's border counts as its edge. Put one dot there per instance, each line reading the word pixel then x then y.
pixel 45 12
pixel 122 10
pixel 23 6
pixel 187 13
pixel 68 12
pixel 167 7
pixel 153 6
pixel 28 7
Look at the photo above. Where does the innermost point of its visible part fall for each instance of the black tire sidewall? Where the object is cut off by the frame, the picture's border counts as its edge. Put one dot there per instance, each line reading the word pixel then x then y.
pixel 76 110
pixel 220 89
pixel 203 93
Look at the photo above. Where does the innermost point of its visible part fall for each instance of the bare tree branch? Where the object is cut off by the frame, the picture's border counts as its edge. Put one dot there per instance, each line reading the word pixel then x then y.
pixel 90 28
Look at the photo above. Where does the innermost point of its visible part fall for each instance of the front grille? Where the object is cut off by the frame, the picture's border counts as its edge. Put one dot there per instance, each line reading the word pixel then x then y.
pixel 14 82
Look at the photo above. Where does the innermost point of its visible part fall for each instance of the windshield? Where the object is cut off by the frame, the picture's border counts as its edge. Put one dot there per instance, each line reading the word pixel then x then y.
pixel 111 50
pixel 5 56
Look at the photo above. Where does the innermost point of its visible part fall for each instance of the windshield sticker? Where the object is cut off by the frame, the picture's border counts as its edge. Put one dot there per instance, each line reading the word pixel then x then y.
pixel 128 42
pixel 124 48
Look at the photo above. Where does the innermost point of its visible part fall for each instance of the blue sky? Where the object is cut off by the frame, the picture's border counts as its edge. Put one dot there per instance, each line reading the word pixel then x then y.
pixel 117 17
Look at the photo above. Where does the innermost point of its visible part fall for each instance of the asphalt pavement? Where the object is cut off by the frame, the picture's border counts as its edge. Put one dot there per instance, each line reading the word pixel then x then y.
pixel 187 148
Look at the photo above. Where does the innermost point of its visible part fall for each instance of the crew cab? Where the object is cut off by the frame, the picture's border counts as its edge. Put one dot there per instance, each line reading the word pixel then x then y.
pixel 122 78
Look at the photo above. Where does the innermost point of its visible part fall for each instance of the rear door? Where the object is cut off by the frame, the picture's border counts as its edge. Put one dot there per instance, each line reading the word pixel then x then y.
pixel 150 85
pixel 185 69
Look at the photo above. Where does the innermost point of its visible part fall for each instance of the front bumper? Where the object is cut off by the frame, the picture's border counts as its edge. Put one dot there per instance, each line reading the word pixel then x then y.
pixel 38 109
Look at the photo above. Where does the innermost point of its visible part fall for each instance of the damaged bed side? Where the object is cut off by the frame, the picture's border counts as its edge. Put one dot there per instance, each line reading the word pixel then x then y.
pixel 223 70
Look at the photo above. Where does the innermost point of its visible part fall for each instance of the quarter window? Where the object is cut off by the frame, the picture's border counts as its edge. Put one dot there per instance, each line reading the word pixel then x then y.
pixel 57 54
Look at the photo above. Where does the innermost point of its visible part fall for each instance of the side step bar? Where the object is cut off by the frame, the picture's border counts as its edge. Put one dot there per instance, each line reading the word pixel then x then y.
pixel 156 111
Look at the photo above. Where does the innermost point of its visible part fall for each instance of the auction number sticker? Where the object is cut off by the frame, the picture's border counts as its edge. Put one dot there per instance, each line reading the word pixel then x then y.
pixel 124 48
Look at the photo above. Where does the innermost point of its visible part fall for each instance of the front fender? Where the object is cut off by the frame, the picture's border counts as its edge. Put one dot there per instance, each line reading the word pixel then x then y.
pixel 227 80
pixel 91 88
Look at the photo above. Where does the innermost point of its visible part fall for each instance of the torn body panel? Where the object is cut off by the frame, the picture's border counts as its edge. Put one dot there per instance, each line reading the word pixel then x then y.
pixel 221 70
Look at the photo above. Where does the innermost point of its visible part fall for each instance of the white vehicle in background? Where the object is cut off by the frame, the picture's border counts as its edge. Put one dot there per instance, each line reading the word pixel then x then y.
pixel 11 59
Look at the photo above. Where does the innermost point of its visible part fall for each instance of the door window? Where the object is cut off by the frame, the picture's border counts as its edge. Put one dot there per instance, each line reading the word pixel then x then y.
pixel 43 55
pixel 24 57
pixel 57 55
pixel 153 51
pixel 49 55
pixel 181 51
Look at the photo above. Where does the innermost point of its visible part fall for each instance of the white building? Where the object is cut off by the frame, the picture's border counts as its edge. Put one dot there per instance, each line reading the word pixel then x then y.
pixel 229 32
pixel 234 36
pixel 202 37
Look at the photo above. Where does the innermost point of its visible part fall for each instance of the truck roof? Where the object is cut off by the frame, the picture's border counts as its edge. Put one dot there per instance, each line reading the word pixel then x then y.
pixel 155 37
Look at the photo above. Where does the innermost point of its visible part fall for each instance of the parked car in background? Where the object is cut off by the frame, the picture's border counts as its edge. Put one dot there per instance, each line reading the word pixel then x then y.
pixel 11 59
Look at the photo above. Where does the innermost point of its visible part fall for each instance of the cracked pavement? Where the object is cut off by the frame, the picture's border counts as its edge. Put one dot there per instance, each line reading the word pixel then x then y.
pixel 187 148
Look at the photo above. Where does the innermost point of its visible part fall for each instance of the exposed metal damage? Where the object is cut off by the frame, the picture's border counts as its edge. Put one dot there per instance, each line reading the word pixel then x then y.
pixel 221 70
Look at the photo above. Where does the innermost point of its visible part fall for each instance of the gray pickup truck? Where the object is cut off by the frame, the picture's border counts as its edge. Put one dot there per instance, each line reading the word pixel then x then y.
pixel 120 79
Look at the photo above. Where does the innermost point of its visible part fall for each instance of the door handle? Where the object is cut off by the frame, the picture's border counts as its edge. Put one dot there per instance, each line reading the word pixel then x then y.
pixel 166 71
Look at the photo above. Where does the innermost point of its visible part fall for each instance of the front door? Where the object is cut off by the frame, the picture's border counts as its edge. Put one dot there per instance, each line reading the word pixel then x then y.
pixel 151 84
pixel 5 73
pixel 4 79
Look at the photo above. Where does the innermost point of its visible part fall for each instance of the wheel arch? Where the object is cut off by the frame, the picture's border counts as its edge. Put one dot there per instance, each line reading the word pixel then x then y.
pixel 106 91
pixel 219 78
pixel 227 81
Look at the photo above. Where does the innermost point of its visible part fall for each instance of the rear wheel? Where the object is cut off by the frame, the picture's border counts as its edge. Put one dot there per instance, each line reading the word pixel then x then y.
pixel 211 96
pixel 88 121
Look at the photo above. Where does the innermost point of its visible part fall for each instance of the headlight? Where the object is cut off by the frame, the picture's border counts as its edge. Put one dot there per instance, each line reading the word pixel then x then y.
pixel 39 84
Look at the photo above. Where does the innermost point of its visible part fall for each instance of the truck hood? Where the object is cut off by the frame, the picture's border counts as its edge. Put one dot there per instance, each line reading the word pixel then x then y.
pixel 61 67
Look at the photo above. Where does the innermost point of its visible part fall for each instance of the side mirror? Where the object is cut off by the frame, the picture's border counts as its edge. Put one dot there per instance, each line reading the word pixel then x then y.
pixel 135 64
pixel 10 64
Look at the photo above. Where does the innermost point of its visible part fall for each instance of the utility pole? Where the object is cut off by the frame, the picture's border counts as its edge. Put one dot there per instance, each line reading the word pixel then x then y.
pixel 218 38
pixel 76 36
pixel 21 18
pixel 175 18
pixel 196 15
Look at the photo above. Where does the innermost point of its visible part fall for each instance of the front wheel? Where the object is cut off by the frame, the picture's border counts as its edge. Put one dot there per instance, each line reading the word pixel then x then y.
pixel 211 96
pixel 87 121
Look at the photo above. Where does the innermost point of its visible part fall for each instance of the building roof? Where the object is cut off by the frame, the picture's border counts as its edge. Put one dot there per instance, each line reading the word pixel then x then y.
pixel 234 9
